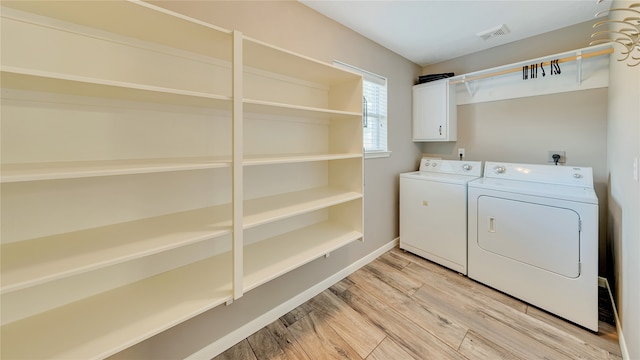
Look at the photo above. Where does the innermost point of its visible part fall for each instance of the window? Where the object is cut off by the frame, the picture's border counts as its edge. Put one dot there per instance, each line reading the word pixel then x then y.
pixel 374 110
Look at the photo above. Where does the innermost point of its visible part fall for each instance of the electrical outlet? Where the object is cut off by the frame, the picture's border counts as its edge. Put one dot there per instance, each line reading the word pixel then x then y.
pixel 550 159
pixel 460 153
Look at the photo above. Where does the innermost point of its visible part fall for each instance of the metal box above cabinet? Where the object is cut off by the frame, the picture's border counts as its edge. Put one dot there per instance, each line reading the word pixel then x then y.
pixel 434 111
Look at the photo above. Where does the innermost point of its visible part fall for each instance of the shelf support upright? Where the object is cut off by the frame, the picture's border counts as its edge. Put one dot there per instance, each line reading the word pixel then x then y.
pixel 579 66
pixel 236 163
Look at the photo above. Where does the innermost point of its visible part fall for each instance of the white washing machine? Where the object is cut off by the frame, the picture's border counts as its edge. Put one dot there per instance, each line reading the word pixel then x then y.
pixel 533 233
pixel 433 211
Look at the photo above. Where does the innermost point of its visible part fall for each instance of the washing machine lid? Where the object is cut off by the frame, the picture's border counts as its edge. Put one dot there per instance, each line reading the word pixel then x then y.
pixel 451 171
pixel 571 183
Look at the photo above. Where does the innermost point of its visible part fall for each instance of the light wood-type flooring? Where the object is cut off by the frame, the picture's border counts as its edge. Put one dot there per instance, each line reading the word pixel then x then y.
pixel 401 306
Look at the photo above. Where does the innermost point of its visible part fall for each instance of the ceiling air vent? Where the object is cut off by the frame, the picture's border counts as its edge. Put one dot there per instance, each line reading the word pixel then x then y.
pixel 493 32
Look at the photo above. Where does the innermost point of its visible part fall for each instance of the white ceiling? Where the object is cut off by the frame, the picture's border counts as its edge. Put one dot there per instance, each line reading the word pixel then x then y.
pixel 430 31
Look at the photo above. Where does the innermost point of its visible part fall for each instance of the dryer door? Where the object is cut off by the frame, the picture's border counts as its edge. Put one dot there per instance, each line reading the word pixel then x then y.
pixel 539 235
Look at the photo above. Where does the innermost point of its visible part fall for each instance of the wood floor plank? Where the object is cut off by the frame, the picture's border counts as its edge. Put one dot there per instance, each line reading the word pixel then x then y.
pixel 295 314
pixel 411 337
pixel 430 272
pixel 473 314
pixel 606 338
pixel 287 343
pixel 241 350
pixel 265 346
pixel 551 336
pixel 319 340
pixel 388 350
pixel 392 259
pixel 477 347
pixel 495 307
pixel 394 278
pixel 423 315
pixel 341 286
pixel 405 255
pixel 362 335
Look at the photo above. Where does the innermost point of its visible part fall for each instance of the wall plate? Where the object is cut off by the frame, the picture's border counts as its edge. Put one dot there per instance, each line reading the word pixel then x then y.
pixel 562 154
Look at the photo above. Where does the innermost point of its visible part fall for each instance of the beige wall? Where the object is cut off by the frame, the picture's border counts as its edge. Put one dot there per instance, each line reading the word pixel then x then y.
pixel 293 26
pixel 524 130
pixel 624 194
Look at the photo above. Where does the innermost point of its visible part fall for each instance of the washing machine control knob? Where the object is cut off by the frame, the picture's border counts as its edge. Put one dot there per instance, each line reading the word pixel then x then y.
pixel 466 167
pixel 499 169
pixel 577 176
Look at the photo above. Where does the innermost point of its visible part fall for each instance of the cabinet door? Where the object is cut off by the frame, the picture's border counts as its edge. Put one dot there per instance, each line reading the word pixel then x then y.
pixel 432 112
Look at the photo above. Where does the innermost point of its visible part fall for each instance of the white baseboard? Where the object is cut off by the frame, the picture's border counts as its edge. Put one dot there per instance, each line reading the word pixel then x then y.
pixel 217 347
pixel 603 282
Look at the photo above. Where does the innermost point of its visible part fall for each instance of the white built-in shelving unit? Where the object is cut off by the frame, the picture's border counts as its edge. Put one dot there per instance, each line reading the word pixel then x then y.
pixel 154 167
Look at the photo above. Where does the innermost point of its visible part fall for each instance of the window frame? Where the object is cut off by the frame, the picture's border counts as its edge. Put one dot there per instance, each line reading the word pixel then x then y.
pixel 378 80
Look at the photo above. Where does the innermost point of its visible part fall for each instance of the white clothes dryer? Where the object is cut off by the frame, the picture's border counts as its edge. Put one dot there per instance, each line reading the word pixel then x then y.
pixel 533 233
pixel 433 211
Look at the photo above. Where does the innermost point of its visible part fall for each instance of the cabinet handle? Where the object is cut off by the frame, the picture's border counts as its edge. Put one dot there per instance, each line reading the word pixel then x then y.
pixel 440 129
pixel 492 224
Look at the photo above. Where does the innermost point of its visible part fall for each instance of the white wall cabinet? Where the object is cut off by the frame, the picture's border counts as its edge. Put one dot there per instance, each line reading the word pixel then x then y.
pixel 151 173
pixel 434 111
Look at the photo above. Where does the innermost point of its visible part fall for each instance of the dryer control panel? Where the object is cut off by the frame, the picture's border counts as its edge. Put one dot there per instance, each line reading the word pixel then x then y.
pixel 548 174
